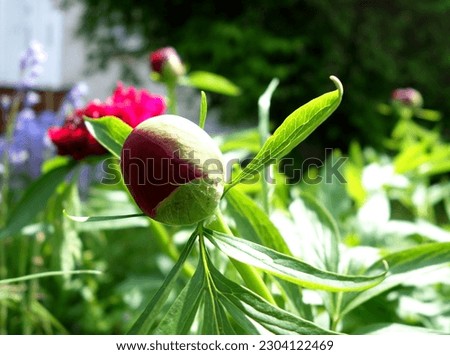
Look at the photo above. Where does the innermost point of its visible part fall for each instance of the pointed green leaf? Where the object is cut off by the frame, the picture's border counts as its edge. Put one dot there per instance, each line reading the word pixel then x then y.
pixel 109 131
pixel 48 274
pixel 35 198
pixel 402 266
pixel 215 320
pixel 150 313
pixel 178 319
pixel 203 80
pixel 246 304
pixel 83 219
pixel 203 110
pixel 295 128
pixel 289 268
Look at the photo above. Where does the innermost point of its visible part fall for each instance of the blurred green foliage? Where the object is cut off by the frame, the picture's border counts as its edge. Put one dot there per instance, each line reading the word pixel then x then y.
pixel 372 46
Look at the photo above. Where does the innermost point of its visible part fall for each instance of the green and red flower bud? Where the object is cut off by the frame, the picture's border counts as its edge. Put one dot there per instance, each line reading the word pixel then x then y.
pixel 408 97
pixel 173 169
pixel 167 63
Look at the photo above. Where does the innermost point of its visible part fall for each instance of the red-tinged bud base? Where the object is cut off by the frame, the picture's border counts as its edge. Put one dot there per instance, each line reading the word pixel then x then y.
pixel 169 188
pixel 151 171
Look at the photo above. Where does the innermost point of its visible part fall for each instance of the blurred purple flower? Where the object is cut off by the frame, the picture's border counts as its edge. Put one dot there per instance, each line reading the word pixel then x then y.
pixel 31 65
pixel 74 99
pixel 5 102
pixel 31 98
pixel 30 145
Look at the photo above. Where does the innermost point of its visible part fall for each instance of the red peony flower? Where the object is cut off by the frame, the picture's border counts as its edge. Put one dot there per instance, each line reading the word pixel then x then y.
pixel 129 104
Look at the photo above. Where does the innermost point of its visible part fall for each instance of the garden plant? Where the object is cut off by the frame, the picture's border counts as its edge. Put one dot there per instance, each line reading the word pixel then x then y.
pixel 139 222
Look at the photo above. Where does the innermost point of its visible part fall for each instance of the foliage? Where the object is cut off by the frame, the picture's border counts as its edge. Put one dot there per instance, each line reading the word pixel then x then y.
pixel 373 46
pixel 359 246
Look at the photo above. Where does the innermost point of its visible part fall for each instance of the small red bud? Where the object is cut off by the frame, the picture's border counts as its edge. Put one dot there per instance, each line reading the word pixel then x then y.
pixel 166 62
pixel 408 97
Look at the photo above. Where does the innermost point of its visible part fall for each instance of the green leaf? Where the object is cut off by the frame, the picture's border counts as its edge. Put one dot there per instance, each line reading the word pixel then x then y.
pixel 150 313
pixel 264 133
pixel 264 108
pixel 295 128
pixel 110 131
pixel 402 266
pixel 35 198
pixel 179 317
pixel 243 304
pixel 203 110
pixel 215 320
pixel 48 274
pixel 253 223
pixel 289 268
pixel 84 219
pixel 203 80
pixel 71 245
pixel 320 232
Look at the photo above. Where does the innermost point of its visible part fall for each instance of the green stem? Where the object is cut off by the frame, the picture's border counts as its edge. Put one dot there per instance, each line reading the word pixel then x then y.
pixel 165 243
pixel 251 277
pixel 172 97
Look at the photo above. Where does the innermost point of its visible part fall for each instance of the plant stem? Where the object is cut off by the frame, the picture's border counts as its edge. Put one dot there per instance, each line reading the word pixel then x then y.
pixel 172 97
pixel 251 277
pixel 164 242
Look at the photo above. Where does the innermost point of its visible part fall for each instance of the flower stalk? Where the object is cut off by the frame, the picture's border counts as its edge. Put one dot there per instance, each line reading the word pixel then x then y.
pixel 250 275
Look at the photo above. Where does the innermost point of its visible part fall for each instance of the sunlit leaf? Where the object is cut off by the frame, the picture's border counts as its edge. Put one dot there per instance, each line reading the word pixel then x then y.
pixel 84 219
pixel 402 266
pixel 179 317
pixel 206 81
pixel 151 311
pixel 295 128
pixel 48 274
pixel 244 305
pixel 110 131
pixel 35 198
pixel 289 268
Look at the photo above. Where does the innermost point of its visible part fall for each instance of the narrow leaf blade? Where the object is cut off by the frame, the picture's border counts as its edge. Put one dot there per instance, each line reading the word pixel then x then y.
pixel 289 268
pixel 211 82
pixel 84 219
pixel 295 128
pixel 402 266
pixel 203 110
pixel 149 315
pixel 179 317
pixel 247 304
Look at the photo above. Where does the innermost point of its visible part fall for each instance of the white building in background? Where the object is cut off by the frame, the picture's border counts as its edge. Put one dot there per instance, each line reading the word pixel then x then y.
pixel 43 20
pixel 22 21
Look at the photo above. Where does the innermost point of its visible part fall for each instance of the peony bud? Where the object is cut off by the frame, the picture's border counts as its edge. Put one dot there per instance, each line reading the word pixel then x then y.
pixel 408 97
pixel 173 169
pixel 167 63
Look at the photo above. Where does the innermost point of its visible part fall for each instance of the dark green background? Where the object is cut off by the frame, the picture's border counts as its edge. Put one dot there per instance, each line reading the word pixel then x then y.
pixel 372 46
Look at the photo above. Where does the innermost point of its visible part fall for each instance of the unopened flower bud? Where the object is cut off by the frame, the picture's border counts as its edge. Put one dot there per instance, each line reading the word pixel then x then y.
pixel 167 63
pixel 173 169
pixel 408 97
